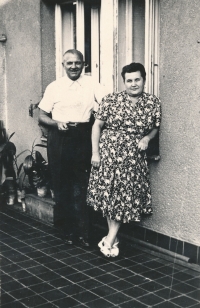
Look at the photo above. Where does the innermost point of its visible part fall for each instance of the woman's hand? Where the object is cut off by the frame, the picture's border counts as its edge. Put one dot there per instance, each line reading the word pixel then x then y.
pixel 62 126
pixel 143 143
pixel 95 159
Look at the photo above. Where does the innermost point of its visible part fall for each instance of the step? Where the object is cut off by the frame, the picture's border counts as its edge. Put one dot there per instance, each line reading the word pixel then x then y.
pixel 40 207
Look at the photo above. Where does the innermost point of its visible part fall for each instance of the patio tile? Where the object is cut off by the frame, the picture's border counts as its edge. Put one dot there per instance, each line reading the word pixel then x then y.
pixel 151 299
pixel 66 302
pixel 13 285
pixel 184 301
pixel 167 293
pixel 117 298
pixel 28 281
pixel 133 303
pixel 85 296
pixel 90 284
pixel 103 291
pixel 21 293
pixel 39 270
pixel 120 285
pixel 183 288
pixel 41 288
pixel 72 289
pixel 135 292
pixel 99 303
pixel 53 295
pixel 33 301
pixel 7 298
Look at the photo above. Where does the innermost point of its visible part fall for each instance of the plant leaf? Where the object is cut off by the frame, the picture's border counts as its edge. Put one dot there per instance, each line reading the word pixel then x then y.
pixel 11 136
pixel 40 145
pixel 19 169
pixel 34 142
pixel 22 153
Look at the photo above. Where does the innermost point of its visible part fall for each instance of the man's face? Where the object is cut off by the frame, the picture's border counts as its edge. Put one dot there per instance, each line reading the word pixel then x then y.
pixel 73 65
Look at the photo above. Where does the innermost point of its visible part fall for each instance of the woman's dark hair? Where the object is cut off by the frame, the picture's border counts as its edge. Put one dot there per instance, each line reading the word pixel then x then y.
pixel 134 67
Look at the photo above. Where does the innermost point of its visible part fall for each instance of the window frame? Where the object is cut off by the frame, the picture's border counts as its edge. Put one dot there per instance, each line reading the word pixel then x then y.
pixel 108 71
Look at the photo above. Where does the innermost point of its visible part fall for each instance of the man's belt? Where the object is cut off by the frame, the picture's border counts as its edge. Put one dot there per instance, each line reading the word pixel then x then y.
pixel 75 124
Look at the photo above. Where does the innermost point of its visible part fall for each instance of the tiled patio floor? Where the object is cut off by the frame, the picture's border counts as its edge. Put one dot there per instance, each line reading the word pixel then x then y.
pixel 39 270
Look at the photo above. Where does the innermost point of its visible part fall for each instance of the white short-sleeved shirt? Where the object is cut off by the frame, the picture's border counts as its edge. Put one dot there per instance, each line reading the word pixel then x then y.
pixel 70 100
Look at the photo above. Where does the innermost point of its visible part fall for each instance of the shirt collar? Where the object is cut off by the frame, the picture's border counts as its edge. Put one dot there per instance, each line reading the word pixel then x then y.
pixel 71 82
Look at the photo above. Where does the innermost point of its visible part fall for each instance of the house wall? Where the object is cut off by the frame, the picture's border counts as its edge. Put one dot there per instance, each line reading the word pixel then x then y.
pixel 30 37
pixel 175 179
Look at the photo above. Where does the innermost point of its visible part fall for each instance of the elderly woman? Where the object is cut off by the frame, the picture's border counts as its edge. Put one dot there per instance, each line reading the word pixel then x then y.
pixel 119 184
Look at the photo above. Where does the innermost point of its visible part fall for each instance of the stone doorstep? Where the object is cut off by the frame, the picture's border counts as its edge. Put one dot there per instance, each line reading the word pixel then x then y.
pixel 40 207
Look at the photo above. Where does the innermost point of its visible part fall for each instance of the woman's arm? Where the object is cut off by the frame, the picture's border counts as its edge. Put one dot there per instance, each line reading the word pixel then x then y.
pixel 143 143
pixel 96 132
pixel 44 118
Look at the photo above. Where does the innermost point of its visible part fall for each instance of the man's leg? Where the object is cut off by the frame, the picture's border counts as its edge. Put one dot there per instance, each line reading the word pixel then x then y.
pixel 81 178
pixel 80 205
pixel 59 162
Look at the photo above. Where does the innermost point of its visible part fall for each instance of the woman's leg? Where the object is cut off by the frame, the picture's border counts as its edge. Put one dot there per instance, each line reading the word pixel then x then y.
pixel 113 230
pixel 109 244
pixel 109 221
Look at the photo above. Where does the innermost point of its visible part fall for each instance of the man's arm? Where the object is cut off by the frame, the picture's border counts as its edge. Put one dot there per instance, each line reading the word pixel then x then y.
pixel 44 118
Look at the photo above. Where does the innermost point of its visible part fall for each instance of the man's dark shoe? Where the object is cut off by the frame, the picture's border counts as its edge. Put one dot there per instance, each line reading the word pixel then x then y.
pixel 69 239
pixel 83 242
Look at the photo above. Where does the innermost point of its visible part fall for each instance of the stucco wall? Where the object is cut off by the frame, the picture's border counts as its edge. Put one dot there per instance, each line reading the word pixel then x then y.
pixel 47 43
pixel 23 73
pixel 29 64
pixel 176 178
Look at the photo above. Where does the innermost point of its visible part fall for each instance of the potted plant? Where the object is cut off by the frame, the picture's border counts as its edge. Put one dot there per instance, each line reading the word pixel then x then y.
pixel 14 182
pixel 36 168
pixel 8 176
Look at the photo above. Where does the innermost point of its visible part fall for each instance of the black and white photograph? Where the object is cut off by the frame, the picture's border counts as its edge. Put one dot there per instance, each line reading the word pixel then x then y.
pixel 100 153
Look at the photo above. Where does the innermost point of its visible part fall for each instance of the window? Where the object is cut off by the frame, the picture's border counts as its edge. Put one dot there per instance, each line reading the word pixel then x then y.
pixel 131 37
pixel 110 34
pixel 138 38
pixel 78 27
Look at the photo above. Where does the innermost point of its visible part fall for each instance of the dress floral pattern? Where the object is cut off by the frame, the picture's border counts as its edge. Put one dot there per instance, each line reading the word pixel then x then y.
pixel 120 187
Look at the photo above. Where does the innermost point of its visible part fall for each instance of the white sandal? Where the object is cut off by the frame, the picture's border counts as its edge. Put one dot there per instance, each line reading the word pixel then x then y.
pixel 115 250
pixel 105 249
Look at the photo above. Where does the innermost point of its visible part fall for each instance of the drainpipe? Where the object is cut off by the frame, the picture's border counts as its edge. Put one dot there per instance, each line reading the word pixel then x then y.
pixel 3 85
pixel 3 94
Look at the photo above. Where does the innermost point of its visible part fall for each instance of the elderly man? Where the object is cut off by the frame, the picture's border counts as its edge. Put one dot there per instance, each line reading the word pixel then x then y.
pixel 66 109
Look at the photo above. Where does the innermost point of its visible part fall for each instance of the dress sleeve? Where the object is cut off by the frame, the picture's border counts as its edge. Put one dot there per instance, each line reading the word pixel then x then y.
pixel 103 109
pixel 157 112
pixel 100 92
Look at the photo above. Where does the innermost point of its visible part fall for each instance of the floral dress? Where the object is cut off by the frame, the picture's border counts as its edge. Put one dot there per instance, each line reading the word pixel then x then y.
pixel 120 187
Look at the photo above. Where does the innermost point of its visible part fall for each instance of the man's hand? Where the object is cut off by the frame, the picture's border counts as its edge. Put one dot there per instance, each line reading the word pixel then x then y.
pixel 62 125
pixel 95 160
pixel 143 143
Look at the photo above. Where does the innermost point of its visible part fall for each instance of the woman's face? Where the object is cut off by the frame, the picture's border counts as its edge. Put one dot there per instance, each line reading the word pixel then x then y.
pixel 134 83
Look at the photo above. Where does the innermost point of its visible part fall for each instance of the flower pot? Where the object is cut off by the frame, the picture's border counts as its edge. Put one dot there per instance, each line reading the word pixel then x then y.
pixel 11 197
pixel 42 191
pixel 10 190
pixel 19 196
pixel 23 205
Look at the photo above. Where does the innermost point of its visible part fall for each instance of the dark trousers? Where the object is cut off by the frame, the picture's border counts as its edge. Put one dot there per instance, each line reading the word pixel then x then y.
pixel 69 157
